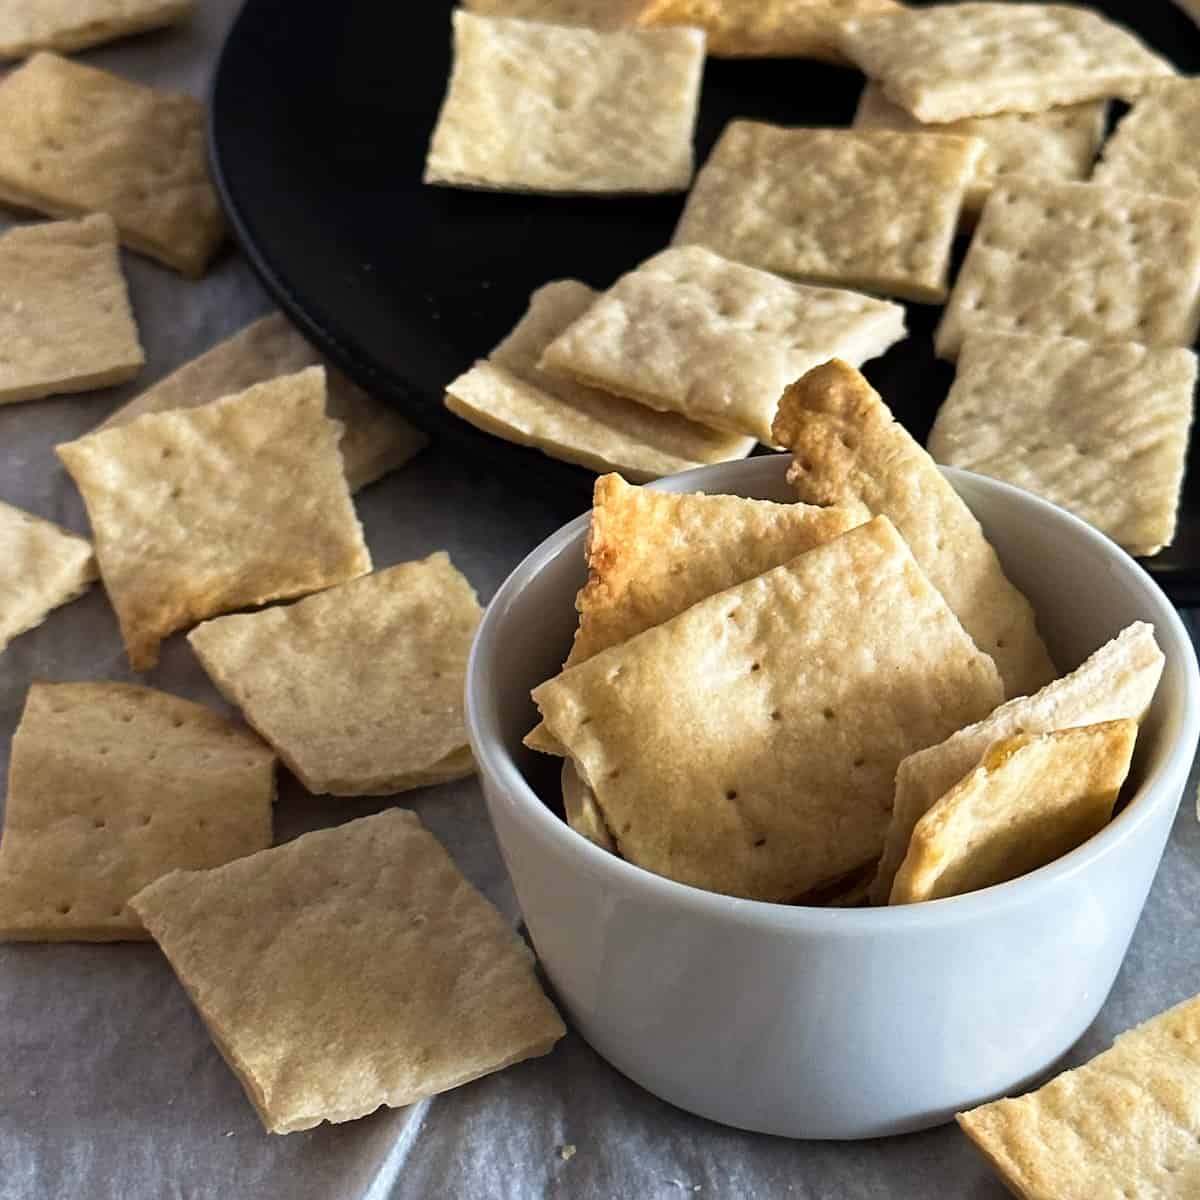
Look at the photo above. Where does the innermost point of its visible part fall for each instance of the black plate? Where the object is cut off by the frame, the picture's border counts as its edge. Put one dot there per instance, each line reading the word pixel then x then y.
pixel 320 118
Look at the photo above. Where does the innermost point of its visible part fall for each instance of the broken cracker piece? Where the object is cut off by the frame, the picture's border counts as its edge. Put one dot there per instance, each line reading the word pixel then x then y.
pixel 595 14
pixel 66 25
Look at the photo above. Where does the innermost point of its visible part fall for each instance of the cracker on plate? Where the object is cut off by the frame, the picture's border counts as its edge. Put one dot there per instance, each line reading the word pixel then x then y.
pixel 65 320
pixel 359 688
pixel 1115 683
pixel 509 396
pixel 1099 429
pixel 747 746
pixel 74 139
pixel 553 108
pixel 376 439
pixel 351 968
pixel 112 785
pixel 1154 148
pixel 690 332
pixel 949 61
pixel 29 25
pixel 597 14
pixel 849 449
pixel 200 511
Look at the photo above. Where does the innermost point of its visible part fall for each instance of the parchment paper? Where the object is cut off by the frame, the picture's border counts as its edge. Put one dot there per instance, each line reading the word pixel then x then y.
pixel 109 1085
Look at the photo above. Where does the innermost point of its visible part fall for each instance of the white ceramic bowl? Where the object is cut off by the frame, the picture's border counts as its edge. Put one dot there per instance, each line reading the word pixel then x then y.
pixel 827 1023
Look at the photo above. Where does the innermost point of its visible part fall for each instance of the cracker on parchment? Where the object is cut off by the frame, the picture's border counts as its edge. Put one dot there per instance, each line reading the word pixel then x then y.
pixel 849 449
pixel 690 332
pixel 376 439
pixel 596 14
pixel 581 810
pixel 1099 429
pixel 74 139
pixel 870 209
pixel 201 511
pixel 949 61
pixel 1078 260
pixel 360 688
pixel 351 968
pixel 509 396
pixel 66 25
pixel 1117 682
pixel 553 108
pixel 747 746
pixel 42 566
pixel 65 320
pixel 1154 148
pixel 112 785
pixel 1124 1125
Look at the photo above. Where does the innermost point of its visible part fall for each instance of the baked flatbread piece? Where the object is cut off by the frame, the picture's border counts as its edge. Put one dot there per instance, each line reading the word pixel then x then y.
pixel 66 25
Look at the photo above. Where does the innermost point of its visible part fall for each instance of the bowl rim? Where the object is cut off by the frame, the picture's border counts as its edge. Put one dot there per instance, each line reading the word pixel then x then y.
pixel 1182 731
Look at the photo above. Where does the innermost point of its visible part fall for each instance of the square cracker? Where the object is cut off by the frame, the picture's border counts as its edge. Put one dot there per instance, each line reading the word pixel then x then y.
pixel 74 139
pixel 65 320
pixel 204 510
pixel 509 396
pixel 748 745
pixel 869 209
pixel 29 25
pixel 376 439
pixel 1078 260
pixel 596 14
pixel 1154 148
pixel 110 786
pixel 552 108
pixel 1116 682
pixel 1100 430
pixel 1060 143
pixel 849 449
pixel 359 688
pixel 949 61
pixel 1123 1125
pixel 41 567
pixel 351 968
pixel 690 332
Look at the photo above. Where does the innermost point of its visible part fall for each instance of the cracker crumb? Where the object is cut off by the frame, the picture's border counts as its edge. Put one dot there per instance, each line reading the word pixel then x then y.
pixel 567 1152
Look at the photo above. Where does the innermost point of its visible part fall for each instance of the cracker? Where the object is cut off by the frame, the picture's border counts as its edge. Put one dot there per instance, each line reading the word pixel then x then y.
pixel 349 969
pixel 848 449
pixel 1154 148
pixel 876 210
pixel 551 108
pixel 596 14
pixel 359 688
pixel 1191 7
pixel 1078 260
pixel 950 61
pixel 690 332
pixel 205 510
pixel 748 745
pixel 1060 143
pixel 1125 1124
pixel 510 397
pixel 74 139
pixel 110 786
pixel 581 810
pixel 65 320
pixel 1100 430
pixel 29 25
pixel 1116 683
pixel 376 438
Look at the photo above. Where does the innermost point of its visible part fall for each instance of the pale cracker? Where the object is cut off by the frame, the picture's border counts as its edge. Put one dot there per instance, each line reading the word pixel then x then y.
pixel 848 449
pixel 65 320
pixel 110 786
pixel 359 688
pixel 1122 1127
pixel 74 139
pixel 510 397
pixel 1116 682
pixel 596 14
pixel 351 968
pixel 1078 260
pixel 376 439
pixel 1191 7
pixel 748 745
pixel 876 209
pixel 581 810
pixel 690 332
pixel 42 566
pixel 1098 429
pixel 29 25
pixel 949 61
pixel 210 509
pixel 1154 148
pixel 552 108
